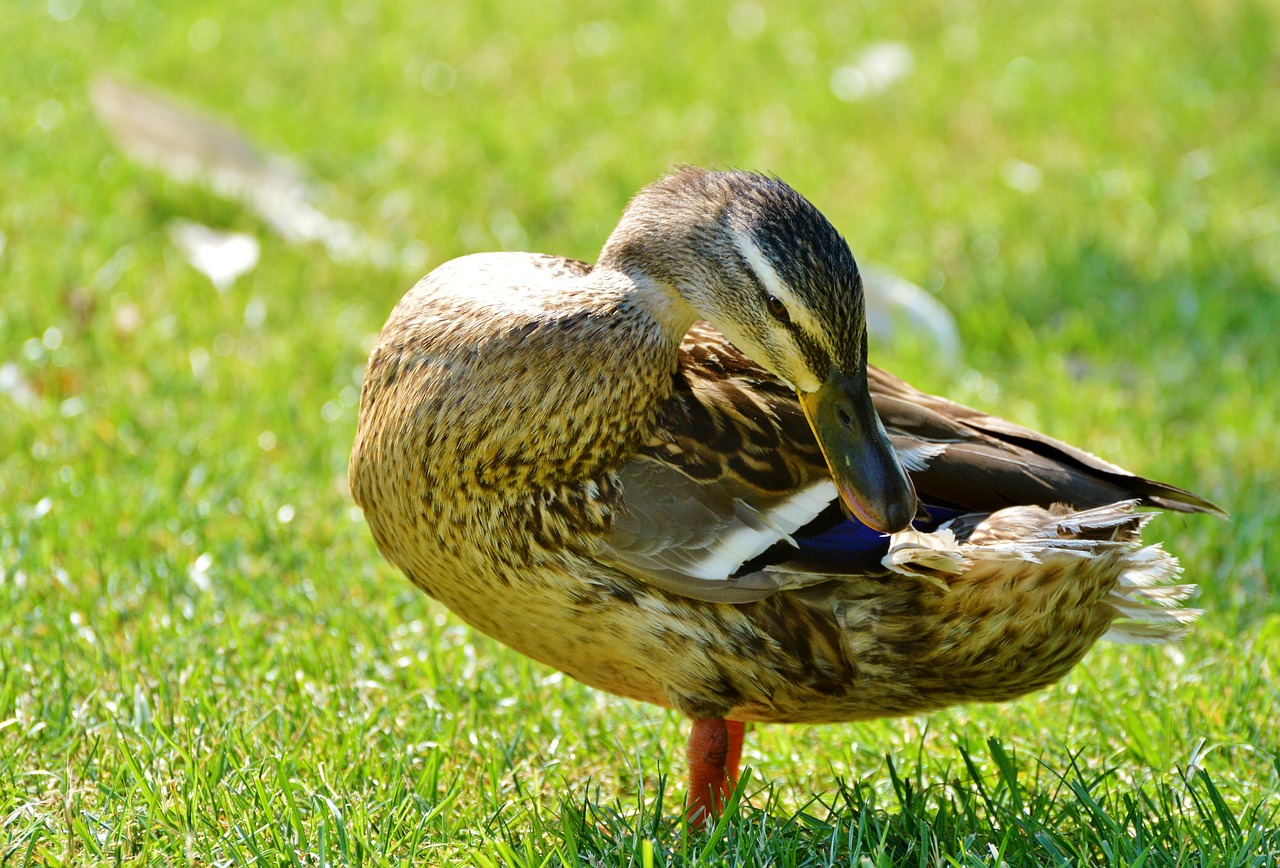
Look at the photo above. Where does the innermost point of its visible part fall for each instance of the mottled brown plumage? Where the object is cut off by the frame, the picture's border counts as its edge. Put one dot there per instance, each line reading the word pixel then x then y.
pixel 560 455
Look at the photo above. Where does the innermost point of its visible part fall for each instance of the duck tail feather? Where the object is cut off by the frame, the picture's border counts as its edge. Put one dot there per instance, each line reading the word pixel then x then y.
pixel 1148 603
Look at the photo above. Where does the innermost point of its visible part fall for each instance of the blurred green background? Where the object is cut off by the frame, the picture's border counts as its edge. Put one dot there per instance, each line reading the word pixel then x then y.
pixel 203 657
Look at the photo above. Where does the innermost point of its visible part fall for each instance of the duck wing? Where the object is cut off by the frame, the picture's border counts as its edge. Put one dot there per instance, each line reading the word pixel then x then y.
pixel 729 499
pixel 984 463
pixel 730 470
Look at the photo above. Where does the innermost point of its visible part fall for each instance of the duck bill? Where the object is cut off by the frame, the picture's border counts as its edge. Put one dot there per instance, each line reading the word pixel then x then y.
pixel 871 481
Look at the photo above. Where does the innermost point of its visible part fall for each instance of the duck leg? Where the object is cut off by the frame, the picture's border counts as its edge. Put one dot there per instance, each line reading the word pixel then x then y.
pixel 736 730
pixel 715 749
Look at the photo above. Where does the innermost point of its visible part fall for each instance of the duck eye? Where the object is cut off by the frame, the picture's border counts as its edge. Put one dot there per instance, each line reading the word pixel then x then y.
pixel 777 309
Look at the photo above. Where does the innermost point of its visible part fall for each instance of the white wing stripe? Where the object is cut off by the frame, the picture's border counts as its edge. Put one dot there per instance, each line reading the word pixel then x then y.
pixel 744 542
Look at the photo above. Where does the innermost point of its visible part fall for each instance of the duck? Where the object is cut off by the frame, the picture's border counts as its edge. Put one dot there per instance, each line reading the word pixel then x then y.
pixel 674 476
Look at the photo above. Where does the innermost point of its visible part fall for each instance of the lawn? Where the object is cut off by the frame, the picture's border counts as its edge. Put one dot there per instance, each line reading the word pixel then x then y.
pixel 204 660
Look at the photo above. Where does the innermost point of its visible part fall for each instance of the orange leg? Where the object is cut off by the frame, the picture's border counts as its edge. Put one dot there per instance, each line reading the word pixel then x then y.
pixel 734 757
pixel 715 749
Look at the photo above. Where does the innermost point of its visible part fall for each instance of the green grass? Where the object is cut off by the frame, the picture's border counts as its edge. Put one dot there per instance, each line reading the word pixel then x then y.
pixel 203 659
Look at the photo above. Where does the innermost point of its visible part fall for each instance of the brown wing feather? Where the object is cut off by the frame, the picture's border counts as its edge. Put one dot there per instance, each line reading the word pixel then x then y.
pixel 728 418
pixel 991 463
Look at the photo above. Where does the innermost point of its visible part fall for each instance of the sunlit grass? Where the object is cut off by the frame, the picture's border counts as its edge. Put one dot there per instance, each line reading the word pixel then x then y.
pixel 203 659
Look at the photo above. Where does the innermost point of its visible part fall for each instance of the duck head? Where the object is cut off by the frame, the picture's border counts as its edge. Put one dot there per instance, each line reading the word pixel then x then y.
pixel 759 262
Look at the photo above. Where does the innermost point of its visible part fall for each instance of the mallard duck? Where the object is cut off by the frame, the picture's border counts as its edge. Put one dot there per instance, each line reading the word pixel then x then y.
pixel 674 477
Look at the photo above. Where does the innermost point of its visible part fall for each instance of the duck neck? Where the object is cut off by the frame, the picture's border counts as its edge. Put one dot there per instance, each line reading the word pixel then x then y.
pixel 649 302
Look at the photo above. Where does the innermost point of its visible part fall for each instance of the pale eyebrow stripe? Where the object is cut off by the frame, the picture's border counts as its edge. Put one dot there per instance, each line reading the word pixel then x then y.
pixel 769 279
